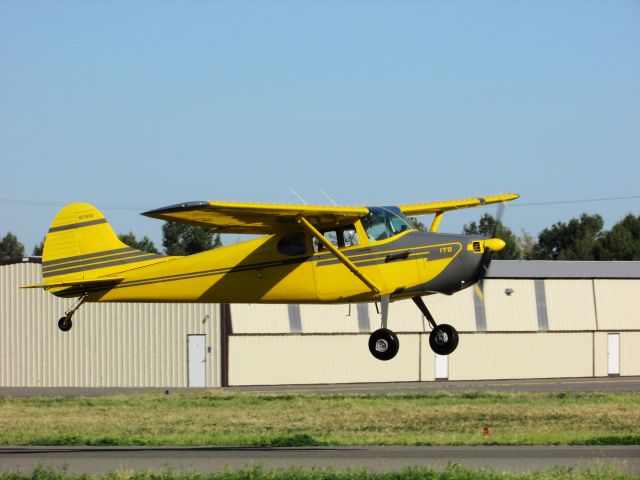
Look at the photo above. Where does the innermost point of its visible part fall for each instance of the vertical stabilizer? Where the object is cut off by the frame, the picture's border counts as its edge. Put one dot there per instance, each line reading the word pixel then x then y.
pixel 81 245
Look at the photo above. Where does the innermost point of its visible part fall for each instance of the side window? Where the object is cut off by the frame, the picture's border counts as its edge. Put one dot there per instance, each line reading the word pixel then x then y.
pixel 350 236
pixel 339 238
pixel 292 244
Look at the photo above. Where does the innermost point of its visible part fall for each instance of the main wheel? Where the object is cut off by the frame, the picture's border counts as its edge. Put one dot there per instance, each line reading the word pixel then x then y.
pixel 65 324
pixel 443 339
pixel 384 344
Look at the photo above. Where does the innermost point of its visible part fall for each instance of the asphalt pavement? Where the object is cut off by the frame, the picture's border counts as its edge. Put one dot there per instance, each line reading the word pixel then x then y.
pixel 606 384
pixel 98 460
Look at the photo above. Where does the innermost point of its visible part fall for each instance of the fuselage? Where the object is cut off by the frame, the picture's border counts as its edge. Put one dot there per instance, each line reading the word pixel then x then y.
pixel 293 268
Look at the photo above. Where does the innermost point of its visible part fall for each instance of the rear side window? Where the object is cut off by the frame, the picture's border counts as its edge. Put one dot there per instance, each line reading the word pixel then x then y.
pixel 292 244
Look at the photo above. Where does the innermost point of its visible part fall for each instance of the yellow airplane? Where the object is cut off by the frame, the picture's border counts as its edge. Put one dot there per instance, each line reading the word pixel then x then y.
pixel 307 254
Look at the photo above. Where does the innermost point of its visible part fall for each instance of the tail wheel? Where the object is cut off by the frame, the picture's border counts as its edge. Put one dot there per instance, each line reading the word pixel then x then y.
pixel 65 324
pixel 384 344
pixel 443 339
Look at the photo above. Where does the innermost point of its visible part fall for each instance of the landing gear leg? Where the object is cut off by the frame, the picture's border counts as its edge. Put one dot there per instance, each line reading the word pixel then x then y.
pixel 383 343
pixel 65 322
pixel 443 338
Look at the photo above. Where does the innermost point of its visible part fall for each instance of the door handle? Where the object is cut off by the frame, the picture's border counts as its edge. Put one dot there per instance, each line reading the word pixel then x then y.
pixel 397 256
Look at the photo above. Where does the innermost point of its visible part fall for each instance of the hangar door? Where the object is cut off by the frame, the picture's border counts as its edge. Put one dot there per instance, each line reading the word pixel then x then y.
pixel 613 354
pixel 196 360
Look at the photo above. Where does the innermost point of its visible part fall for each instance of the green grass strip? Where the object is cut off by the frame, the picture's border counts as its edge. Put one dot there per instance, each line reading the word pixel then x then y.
pixel 451 472
pixel 259 420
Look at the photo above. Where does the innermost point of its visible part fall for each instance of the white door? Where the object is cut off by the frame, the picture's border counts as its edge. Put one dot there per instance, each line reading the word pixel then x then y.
pixel 442 367
pixel 196 360
pixel 613 354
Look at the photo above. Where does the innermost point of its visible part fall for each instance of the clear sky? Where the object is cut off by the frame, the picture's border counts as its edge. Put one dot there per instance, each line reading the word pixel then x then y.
pixel 138 105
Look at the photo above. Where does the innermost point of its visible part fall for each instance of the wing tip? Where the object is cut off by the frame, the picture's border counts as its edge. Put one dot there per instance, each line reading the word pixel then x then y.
pixel 178 207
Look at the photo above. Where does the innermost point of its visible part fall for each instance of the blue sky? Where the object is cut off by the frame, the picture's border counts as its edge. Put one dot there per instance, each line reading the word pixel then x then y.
pixel 138 105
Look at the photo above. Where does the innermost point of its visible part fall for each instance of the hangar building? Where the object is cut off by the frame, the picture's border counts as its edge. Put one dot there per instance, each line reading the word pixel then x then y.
pixel 539 320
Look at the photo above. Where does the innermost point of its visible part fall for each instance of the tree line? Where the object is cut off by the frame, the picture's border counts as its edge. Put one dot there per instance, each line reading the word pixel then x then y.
pixel 580 238
pixel 177 239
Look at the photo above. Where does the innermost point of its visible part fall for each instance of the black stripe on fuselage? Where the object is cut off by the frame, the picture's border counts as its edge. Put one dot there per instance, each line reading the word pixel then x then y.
pixel 47 267
pixel 88 256
pixel 132 258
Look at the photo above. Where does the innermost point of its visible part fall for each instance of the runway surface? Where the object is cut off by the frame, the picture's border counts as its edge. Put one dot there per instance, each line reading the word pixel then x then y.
pixel 92 460
pixel 608 384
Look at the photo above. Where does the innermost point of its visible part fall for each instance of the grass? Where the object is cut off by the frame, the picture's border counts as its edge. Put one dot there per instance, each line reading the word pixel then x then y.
pixel 452 472
pixel 220 419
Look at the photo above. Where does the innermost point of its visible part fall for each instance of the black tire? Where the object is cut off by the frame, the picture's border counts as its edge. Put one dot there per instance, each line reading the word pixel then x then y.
pixel 443 339
pixel 65 324
pixel 384 344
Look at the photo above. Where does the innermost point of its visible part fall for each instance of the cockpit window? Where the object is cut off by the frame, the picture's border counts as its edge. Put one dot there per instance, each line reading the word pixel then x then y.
pixel 385 222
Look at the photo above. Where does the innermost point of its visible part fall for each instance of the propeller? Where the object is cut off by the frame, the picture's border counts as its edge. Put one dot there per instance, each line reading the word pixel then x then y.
pixel 490 244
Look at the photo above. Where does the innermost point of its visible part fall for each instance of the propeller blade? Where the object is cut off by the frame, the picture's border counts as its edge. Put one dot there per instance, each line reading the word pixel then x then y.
pixel 484 269
pixel 499 215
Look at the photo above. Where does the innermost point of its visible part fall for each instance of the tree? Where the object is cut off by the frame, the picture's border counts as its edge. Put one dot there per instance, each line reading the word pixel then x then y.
pixel 622 242
pixel 144 244
pixel 181 239
pixel 38 249
pixel 10 247
pixel 570 241
pixel 527 244
pixel 418 224
pixel 486 226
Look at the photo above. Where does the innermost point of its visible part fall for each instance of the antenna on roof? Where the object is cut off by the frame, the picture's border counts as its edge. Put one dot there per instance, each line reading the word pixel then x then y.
pixel 299 197
pixel 327 195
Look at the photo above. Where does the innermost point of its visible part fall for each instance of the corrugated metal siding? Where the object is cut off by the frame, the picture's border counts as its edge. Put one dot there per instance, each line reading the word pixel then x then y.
pixel 508 313
pixel 522 355
pixel 629 353
pixel 145 344
pixel 570 304
pixel 618 304
pixel 120 345
pixel 300 359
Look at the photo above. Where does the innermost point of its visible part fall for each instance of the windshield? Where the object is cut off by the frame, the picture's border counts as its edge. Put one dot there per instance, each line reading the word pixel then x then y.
pixel 385 222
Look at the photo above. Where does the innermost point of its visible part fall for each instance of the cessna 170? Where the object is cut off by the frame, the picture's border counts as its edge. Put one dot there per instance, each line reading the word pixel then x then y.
pixel 308 254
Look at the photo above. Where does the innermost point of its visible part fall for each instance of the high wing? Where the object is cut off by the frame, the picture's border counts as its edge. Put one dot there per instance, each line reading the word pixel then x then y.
pixel 442 206
pixel 256 218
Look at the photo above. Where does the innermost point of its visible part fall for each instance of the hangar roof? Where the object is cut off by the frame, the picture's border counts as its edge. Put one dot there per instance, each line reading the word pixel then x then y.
pixel 562 269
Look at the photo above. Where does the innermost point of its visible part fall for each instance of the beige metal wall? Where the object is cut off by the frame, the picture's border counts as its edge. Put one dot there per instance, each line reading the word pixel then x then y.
pixel 508 313
pixel 513 346
pixel 299 359
pixel 570 304
pixel 404 316
pixel 119 345
pixel 600 354
pixel 146 344
pixel 522 355
pixel 617 304
pixel 629 353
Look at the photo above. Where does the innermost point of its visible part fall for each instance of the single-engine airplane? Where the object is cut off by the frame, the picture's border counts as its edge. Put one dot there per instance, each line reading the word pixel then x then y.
pixel 307 254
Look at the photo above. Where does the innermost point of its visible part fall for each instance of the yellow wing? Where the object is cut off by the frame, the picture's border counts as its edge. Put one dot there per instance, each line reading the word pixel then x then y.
pixel 439 207
pixel 261 218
